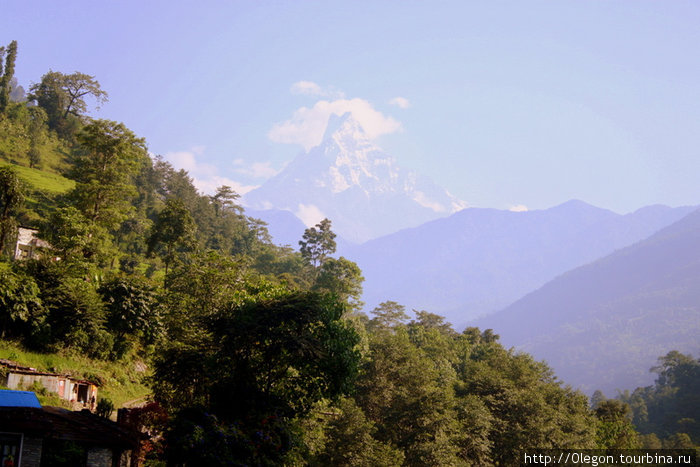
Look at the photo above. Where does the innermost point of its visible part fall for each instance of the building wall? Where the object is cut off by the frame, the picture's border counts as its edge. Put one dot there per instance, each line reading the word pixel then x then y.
pixel 28 244
pixel 31 452
pixel 52 383
pixel 99 457
pixel 23 381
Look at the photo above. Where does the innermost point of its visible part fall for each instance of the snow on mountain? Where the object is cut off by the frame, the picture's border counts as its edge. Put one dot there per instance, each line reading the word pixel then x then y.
pixel 354 183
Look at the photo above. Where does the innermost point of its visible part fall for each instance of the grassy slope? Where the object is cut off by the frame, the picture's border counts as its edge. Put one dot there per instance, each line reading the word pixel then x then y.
pixel 40 180
pixel 42 188
pixel 120 381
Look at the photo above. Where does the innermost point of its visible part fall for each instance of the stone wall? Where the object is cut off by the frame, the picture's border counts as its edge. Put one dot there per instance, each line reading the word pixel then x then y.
pixel 31 452
pixel 99 457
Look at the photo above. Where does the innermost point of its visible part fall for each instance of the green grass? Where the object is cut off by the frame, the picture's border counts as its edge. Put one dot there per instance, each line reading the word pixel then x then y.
pixel 120 381
pixel 40 180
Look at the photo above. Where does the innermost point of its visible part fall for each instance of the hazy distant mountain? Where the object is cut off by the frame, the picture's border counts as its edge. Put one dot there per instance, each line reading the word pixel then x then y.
pixel 481 260
pixel 285 228
pixel 350 180
pixel 602 326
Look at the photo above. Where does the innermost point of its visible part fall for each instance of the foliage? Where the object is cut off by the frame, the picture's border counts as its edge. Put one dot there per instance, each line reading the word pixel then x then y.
pixel 318 243
pixel 105 407
pixel 352 442
pixel 82 246
pixel 75 313
pixel 410 399
pixel 41 180
pixel 224 201
pixel 132 313
pixel 61 453
pixel 6 77
pixel 11 198
pixel 63 99
pixel 109 155
pixel 671 407
pixel 343 278
pixel 388 315
pixel 445 398
pixel 254 367
pixel 21 309
pixel 172 232
pixel 614 429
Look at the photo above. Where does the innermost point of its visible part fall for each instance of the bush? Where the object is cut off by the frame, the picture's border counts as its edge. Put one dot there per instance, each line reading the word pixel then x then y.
pixel 105 408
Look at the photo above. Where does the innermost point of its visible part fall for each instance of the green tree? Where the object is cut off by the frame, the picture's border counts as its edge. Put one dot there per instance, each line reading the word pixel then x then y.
pixel 351 441
pixel 410 399
pixel 20 305
pixel 678 441
pixel 343 278
pixel 37 123
pixel 672 404
pixel 110 154
pixel 614 429
pixel 11 199
pixel 63 98
pixel 132 311
pixel 173 232
pixel 429 320
pixel 7 75
pixel 76 314
pixel 318 243
pixel 81 245
pixel 199 289
pixel 388 315
pixel 252 369
pixel 224 201
pixel 597 399
pixel 526 404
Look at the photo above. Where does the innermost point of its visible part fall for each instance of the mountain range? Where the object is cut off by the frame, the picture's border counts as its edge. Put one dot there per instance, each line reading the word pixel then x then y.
pixel 603 325
pixel 478 261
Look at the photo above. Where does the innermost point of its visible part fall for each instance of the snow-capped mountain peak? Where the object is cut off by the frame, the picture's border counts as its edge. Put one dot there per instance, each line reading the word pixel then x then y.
pixel 353 182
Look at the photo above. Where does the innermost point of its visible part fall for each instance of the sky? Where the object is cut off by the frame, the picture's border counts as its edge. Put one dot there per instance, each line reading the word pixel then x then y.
pixel 507 104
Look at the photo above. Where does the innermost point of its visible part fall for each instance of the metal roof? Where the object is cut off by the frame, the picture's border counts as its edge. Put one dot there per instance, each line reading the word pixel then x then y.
pixel 10 398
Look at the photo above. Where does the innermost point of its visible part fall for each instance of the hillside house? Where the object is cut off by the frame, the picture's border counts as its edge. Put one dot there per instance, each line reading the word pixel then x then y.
pixel 28 244
pixel 80 393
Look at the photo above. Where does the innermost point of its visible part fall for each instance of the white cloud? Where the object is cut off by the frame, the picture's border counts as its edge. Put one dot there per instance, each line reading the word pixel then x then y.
pixel 518 208
pixel 210 184
pixel 187 160
pixel 309 88
pixel 420 198
pixel 309 214
pixel 205 177
pixel 256 169
pixel 307 125
pixel 400 102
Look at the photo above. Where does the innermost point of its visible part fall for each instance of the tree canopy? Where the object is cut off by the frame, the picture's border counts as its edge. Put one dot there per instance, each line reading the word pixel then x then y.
pixel 63 97
pixel 11 198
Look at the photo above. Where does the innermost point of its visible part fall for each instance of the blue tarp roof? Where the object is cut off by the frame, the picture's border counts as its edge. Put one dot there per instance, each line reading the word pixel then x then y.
pixel 18 399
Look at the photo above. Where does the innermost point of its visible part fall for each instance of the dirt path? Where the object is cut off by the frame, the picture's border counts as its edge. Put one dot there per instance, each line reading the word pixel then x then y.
pixel 138 402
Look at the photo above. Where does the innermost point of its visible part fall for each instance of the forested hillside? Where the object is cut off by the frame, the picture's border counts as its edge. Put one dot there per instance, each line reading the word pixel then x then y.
pixel 256 354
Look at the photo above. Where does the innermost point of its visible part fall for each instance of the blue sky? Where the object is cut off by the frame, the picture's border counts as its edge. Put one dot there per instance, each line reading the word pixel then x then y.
pixel 503 103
